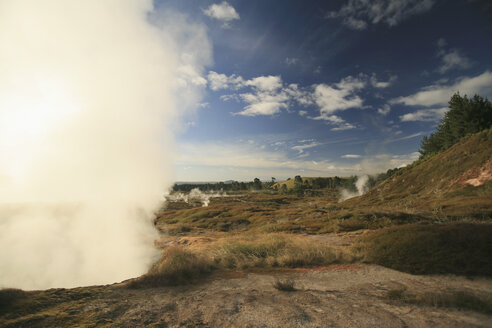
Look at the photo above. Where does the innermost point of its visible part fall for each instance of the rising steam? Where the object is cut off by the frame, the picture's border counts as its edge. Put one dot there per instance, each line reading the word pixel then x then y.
pixel 195 196
pixel 88 90
pixel 360 184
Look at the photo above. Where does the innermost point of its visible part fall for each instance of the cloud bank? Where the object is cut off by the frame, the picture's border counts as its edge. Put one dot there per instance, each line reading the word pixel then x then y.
pixel 439 94
pixel 269 95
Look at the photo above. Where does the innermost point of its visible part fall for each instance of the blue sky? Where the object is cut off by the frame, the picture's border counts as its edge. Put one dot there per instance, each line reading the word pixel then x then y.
pixel 324 88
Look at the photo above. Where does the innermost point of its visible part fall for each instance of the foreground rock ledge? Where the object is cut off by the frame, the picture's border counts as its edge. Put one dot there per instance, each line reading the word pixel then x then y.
pixel 334 296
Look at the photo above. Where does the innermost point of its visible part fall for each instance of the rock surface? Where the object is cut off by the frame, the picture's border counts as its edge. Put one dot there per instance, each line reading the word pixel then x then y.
pixel 334 296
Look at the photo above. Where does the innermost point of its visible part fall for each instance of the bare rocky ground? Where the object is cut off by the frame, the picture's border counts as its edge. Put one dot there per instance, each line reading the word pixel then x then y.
pixel 335 296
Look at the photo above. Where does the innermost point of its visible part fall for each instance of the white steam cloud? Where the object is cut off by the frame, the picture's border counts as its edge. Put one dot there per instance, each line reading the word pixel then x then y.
pixel 360 184
pixel 88 90
pixel 195 196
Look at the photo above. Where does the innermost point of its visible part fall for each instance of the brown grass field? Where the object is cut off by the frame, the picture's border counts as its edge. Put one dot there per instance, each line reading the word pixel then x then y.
pixel 431 218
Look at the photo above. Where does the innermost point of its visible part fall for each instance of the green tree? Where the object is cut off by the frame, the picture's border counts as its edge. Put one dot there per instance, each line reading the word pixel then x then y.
pixel 465 116
pixel 257 184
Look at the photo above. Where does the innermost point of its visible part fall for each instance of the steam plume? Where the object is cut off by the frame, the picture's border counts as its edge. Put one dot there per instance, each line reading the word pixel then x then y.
pixel 88 90
pixel 360 184
pixel 195 196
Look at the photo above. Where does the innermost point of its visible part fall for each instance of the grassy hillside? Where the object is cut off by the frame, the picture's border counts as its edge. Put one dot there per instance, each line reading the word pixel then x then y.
pixel 456 182
pixel 433 189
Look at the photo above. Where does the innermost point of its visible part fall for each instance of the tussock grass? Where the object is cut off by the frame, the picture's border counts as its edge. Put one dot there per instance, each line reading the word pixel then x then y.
pixel 287 285
pixel 182 265
pixel 459 248
pixel 275 250
pixel 459 300
pixel 177 266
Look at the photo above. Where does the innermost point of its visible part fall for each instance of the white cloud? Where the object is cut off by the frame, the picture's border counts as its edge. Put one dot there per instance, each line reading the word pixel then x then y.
pixel 291 61
pixel 426 115
pixel 221 81
pixel 342 96
pixel 266 83
pixel 382 162
pixel 357 14
pixel 441 43
pixel 351 156
pixel 453 60
pixel 268 95
pixel 382 84
pixel 301 148
pixel 411 136
pixel 238 155
pixel 384 110
pixel 221 161
pixel 302 96
pixel 439 94
pixel 343 126
pixel 229 97
pixel 354 23
pixel 223 12
pixel 266 99
pixel 262 107
pixel 189 74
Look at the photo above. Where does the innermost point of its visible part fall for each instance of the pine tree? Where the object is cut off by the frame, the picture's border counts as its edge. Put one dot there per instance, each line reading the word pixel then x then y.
pixel 465 116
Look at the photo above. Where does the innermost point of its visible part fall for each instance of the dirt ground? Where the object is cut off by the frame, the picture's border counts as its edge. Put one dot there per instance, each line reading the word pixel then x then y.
pixel 353 295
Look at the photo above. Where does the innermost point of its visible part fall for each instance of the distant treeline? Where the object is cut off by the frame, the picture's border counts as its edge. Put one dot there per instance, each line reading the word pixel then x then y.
pixel 299 185
pixel 229 186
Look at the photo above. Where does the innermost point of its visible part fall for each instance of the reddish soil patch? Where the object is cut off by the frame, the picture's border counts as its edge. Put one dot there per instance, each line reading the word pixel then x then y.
pixel 476 176
pixel 333 267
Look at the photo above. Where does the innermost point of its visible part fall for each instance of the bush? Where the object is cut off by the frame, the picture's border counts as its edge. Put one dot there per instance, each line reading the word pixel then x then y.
pixel 459 248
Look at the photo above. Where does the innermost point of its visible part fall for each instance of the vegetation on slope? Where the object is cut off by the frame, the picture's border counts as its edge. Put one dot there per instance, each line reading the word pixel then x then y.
pixel 186 264
pixel 460 248
pixel 441 183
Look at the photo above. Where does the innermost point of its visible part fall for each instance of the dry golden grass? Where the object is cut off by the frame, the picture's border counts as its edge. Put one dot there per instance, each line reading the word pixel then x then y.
pixel 187 264
pixel 274 250
pixel 177 266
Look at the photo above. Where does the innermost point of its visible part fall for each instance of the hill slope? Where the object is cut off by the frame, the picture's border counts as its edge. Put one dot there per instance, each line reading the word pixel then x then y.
pixel 456 182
